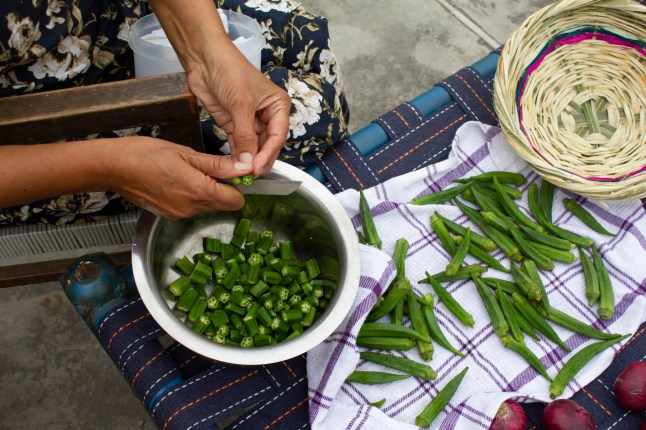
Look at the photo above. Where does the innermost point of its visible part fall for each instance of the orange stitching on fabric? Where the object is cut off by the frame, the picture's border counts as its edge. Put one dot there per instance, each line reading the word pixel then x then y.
pixel 132 381
pixel 296 406
pixel 188 360
pixel 402 118
pixel 289 369
pixel 422 143
pixel 632 339
pixel 347 167
pixel 122 328
pixel 194 402
pixel 476 94
pixel 594 399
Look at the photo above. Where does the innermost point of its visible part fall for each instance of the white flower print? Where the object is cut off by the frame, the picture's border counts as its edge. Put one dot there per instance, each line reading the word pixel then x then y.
pixel 84 203
pixel 75 60
pixel 23 33
pixel 53 8
pixel 306 106
pixel 329 66
pixel 269 5
pixel 125 28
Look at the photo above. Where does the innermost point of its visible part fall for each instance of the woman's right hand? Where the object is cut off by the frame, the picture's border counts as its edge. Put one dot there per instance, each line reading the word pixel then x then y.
pixel 170 180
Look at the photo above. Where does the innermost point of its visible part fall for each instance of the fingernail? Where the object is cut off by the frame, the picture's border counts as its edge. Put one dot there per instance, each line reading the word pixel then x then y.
pixel 246 157
pixel 242 166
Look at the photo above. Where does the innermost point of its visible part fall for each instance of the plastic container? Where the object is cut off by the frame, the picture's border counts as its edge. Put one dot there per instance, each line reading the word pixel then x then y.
pixel 153 59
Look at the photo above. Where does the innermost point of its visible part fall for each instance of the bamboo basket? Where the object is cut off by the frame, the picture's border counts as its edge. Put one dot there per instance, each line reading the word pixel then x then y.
pixel 570 94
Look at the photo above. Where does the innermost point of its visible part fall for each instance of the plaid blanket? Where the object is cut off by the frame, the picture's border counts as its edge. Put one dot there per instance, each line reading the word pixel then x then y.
pixel 495 373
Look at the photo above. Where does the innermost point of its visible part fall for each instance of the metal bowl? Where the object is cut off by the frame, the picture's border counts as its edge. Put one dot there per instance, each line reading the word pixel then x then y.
pixel 319 225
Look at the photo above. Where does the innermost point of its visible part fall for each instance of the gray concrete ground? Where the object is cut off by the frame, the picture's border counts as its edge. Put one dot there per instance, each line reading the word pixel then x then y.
pixel 53 373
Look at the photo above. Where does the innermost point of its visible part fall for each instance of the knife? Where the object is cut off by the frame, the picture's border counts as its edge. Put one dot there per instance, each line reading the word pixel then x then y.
pixel 277 187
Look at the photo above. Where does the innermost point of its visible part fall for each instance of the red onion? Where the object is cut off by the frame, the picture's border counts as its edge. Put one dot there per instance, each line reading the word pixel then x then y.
pixel 566 414
pixel 510 416
pixel 630 387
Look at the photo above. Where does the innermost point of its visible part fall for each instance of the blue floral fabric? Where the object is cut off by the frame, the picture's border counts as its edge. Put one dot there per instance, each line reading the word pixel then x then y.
pixel 55 44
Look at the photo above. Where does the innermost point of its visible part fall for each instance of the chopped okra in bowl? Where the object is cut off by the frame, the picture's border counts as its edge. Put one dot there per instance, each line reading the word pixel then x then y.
pixel 255 286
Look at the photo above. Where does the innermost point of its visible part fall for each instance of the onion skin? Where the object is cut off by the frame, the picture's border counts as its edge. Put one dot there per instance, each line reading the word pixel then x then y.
pixel 630 387
pixel 510 416
pixel 566 414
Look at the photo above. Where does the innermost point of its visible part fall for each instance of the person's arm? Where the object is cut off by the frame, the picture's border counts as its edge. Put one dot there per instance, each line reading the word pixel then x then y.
pixel 170 180
pixel 249 107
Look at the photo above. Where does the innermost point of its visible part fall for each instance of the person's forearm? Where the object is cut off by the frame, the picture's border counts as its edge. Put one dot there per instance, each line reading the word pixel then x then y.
pixel 32 172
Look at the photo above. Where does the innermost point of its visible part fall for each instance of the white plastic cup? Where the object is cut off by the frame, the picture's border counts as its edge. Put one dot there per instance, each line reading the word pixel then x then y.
pixel 153 59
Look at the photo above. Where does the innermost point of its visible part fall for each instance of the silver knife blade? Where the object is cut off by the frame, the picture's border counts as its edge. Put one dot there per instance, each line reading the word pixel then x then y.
pixel 277 187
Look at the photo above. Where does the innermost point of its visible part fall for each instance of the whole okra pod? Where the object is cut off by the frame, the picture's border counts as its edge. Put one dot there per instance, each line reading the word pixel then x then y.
pixel 367 222
pixel 500 325
pixel 592 292
pixel 482 255
pixel 460 254
pixel 441 196
pixel 449 301
pixel 443 234
pixel 394 295
pixel 483 242
pixel 417 320
pixel 403 364
pixel 536 320
pixel 606 308
pixel 433 327
pixel 527 354
pixel 368 377
pixel 513 210
pixel 585 216
pixel 510 316
pixel 430 412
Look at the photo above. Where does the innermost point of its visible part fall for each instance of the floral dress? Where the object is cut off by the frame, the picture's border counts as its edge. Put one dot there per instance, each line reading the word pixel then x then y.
pixel 56 44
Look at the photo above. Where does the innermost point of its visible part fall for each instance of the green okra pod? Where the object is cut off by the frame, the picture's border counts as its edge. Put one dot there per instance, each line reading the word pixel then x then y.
pixel 513 210
pixel 546 239
pixel 527 354
pixel 483 242
pixel 510 316
pixel 569 322
pixel 465 272
pixel 443 234
pixel 536 320
pixel 546 199
pixel 439 402
pixel 588 219
pixel 502 223
pixel 449 301
pixel 513 192
pixel 386 343
pixel 368 223
pixel 606 308
pixel 592 292
pixel 488 203
pixel 393 296
pixel 434 328
pixel 461 252
pixel 368 377
pixel 531 252
pixel 502 177
pixel 526 284
pixel 390 330
pixel 378 403
pixel 508 287
pixel 397 315
pixel 529 267
pixel 441 196
pixel 498 321
pixel 417 320
pixel 503 241
pixel 576 362
pixel 403 364
pixel 399 257
pixel 554 254
pixel 482 255
pixel 524 325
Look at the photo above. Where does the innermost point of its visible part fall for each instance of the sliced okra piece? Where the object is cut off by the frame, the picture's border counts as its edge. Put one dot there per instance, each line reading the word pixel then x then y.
pixel 439 402
pixel 449 301
pixel 592 292
pixel 369 377
pixel 461 252
pixel 498 321
pixel 187 299
pixel 606 309
pixel 198 309
pixel 368 223
pixel 263 340
pixel 390 330
pixel 441 196
pixel 434 328
pixel 179 285
pixel 185 265
pixel 483 242
pixel 403 364
pixel 536 320
pixel 527 354
pixel 588 219
pixel 200 325
pixel 576 362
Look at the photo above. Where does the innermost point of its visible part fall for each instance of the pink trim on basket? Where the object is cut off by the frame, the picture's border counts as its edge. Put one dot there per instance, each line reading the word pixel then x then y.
pixel 571 40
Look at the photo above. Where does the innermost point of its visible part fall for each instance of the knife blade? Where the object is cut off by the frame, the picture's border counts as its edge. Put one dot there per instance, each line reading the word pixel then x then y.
pixel 277 187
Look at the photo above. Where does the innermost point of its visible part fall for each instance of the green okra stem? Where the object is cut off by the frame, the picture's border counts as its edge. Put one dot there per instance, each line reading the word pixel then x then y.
pixel 394 295
pixel 390 330
pixel 441 196
pixel 449 301
pixel 483 242
pixel 482 255
pixel 434 329
pixel 443 234
pixel 588 219
pixel 386 343
pixel 569 322
pixel 510 316
pixel 576 362
pixel 546 199
pixel 461 252
pixel 368 223
pixel 369 377
pixel 527 354
pixel 403 364
pixel 591 280
pixel 439 402
pixel 606 309
pixel 498 321
pixel 417 320
pixel 513 210
pixel 536 320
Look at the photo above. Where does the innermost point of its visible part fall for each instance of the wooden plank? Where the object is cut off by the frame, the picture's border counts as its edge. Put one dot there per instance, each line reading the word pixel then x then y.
pixel 48 271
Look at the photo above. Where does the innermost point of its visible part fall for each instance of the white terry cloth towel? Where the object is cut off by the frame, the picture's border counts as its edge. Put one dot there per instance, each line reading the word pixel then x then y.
pixel 495 372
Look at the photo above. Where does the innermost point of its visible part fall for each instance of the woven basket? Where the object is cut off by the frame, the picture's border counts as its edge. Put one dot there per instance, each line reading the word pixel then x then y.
pixel 570 94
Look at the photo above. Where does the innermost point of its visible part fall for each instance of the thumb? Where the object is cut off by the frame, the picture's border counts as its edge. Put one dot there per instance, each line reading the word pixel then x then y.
pixel 220 167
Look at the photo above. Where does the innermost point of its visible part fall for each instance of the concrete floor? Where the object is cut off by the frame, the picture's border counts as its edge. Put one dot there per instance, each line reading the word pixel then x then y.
pixel 53 373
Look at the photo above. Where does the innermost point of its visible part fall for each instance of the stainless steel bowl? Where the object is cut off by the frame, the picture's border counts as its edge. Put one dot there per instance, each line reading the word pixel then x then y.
pixel 319 225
